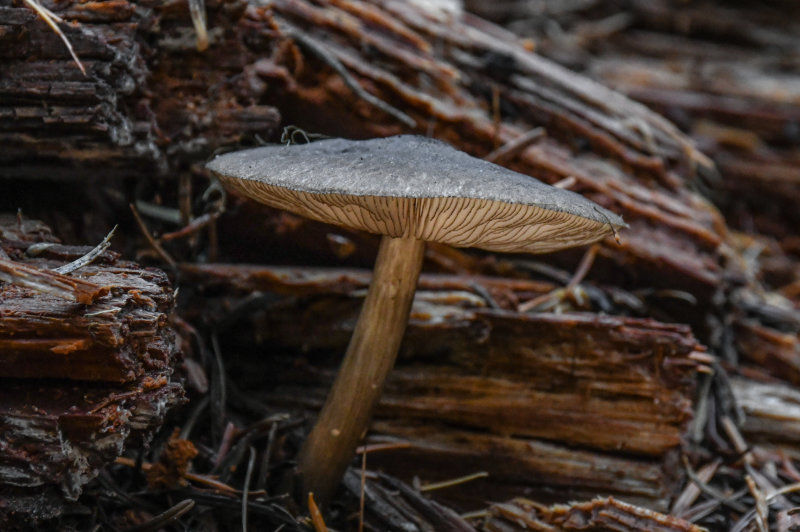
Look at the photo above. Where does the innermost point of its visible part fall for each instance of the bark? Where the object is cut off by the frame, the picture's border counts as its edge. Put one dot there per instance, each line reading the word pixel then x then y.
pixel 727 75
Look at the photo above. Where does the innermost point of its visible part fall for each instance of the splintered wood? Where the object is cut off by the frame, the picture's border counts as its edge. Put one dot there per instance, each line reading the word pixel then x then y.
pixel 117 338
pixel 56 431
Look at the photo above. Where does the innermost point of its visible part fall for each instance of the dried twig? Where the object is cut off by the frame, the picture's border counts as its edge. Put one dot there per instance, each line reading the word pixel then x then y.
pixel 361 497
pixel 87 259
pixel 761 506
pixel 192 227
pixel 197 9
pixel 152 241
pixel 453 481
pixel 316 515
pixel 708 490
pixel 516 145
pixel 162 520
pixel 692 490
pixel 246 487
pixel 50 282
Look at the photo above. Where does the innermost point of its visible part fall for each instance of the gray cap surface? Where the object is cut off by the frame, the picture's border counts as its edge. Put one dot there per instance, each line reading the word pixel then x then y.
pixel 416 186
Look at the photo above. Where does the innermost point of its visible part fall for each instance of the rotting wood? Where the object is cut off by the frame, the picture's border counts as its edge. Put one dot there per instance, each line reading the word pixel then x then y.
pixel 676 233
pixel 727 75
pixel 56 437
pixel 57 431
pixel 119 337
pixel 471 379
pixel 187 105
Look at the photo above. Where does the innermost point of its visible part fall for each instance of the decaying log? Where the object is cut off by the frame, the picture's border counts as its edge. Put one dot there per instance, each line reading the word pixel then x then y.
pixel 673 230
pixel 728 76
pixel 146 89
pixel 478 379
pixel 57 429
pixel 479 387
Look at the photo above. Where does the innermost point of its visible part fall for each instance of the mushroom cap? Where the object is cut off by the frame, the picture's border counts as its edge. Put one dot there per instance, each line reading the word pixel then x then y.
pixel 415 186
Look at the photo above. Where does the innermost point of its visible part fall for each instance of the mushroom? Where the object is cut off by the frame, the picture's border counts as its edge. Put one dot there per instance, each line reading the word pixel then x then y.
pixel 411 190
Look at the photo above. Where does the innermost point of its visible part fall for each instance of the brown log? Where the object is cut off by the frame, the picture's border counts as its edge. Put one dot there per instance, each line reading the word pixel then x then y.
pixel 120 118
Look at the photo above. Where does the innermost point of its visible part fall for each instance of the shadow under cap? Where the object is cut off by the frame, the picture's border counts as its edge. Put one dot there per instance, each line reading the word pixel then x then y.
pixel 415 186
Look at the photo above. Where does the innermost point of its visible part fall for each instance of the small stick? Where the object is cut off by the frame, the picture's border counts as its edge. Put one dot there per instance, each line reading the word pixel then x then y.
pixel 152 241
pixel 371 448
pixel 363 491
pixel 566 183
pixel 192 227
pixel 197 9
pixel 316 515
pixel 251 462
pixel 736 438
pixel 87 259
pixel 163 519
pixel 691 492
pixel 454 481
pixel 263 468
pixel 762 508
pixel 515 145
pixel 477 514
pixel 746 518
pixel 708 490
pixel 225 444
pixel 583 268
pixel 484 293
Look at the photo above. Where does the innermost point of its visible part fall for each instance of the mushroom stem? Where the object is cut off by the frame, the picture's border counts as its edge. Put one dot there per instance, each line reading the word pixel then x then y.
pixel 345 418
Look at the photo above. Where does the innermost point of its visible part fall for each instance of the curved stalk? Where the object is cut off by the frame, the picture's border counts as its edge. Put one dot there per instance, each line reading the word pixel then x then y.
pixel 345 418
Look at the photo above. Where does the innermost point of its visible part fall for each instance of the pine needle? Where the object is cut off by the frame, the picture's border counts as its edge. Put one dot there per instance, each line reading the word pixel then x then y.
pixel 197 9
pixel 51 19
